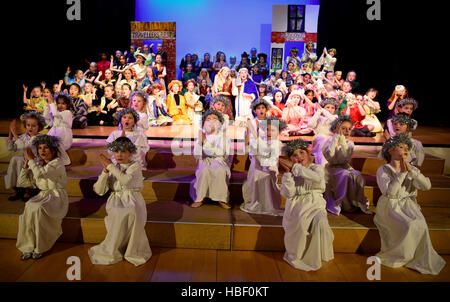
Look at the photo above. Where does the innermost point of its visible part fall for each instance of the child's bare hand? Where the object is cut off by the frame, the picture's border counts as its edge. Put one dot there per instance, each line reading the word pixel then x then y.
pixel 29 155
pixel 105 161
pixel 25 88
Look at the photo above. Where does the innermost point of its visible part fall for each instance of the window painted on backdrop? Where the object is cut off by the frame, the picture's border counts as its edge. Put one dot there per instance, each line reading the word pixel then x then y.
pixel 296 18
pixel 277 59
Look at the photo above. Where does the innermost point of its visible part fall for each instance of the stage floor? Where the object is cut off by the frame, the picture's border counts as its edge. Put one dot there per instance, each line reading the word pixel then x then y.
pixel 429 136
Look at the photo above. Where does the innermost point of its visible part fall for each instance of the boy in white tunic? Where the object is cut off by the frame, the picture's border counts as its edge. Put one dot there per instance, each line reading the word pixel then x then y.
pixel 40 223
pixel 127 119
pixel 58 116
pixel 308 238
pixel 33 123
pixel 126 208
pixel 405 240
pixel 321 122
pixel 345 185
pixel 213 173
pixel 221 105
pixel 260 191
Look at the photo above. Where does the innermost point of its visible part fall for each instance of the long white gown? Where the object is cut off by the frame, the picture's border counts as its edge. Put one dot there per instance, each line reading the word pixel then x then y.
pixel 40 223
pixel 126 219
pixel 405 240
pixel 321 122
pixel 60 123
pixel 260 190
pixel 138 138
pixel 213 172
pixel 15 164
pixel 308 238
pixel 345 185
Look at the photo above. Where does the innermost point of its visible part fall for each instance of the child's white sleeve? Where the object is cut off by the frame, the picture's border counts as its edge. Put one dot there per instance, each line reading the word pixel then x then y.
pixel 51 170
pixel 388 185
pixel 287 186
pixel 48 116
pixel 67 118
pixel 142 142
pixel 313 121
pixel 25 179
pixel 420 153
pixel 125 177
pixel 101 185
pixel 420 181
pixel 329 147
pixel 16 145
pixel 315 173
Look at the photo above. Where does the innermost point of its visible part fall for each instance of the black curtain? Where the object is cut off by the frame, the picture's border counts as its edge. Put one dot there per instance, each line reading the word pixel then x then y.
pixel 41 42
pixel 405 47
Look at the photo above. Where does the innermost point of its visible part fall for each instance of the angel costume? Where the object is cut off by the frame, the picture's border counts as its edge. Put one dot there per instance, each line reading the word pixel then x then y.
pixel 127 216
pixel 260 191
pixel 405 240
pixel 321 122
pixel 213 173
pixel 157 116
pixel 60 123
pixel 142 124
pixel 416 155
pixel 388 125
pixel 308 238
pixel 328 63
pixel 293 116
pixel 345 185
pixel 139 139
pixel 308 58
pixel 40 223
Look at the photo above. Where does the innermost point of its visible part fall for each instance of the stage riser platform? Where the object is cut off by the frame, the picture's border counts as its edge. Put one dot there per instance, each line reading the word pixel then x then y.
pixel 222 237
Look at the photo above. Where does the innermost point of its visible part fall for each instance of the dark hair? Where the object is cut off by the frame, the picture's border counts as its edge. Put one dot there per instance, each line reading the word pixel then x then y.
pixel 126 84
pixel 76 85
pixel 211 111
pixel 67 98
pixel 308 91
pixel 306 74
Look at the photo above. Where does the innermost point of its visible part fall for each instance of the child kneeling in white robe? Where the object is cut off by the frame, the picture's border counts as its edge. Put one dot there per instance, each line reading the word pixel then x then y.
pixel 128 119
pixel 40 223
pixel 126 208
pixel 345 185
pixel 405 240
pixel 33 123
pixel 308 238
pixel 213 173
pixel 260 191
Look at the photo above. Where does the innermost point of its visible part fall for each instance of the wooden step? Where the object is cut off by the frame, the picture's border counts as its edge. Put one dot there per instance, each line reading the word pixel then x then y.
pixel 174 224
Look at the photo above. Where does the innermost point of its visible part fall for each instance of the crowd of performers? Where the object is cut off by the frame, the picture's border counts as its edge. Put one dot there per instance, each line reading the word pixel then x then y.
pixel 316 178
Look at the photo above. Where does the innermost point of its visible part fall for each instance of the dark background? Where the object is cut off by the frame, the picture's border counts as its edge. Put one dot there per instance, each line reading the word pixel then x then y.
pixel 405 47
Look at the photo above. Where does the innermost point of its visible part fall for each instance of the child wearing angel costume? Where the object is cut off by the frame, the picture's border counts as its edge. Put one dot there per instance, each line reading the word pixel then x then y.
pixel 260 191
pixel 321 122
pixel 126 208
pixel 58 116
pixel 345 185
pixel 127 119
pixel 221 104
pixel 213 173
pixel 371 107
pixel 40 223
pixel 403 124
pixel 405 240
pixel 138 101
pixel 308 238
pixel 33 123
pixel 407 106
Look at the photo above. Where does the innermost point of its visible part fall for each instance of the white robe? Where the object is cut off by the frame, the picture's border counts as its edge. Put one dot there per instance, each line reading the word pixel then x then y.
pixel 321 122
pixel 260 190
pixel 142 124
pixel 345 185
pixel 16 162
pixel 308 238
pixel 405 240
pixel 127 216
pixel 213 173
pixel 139 139
pixel 40 223
pixel 61 123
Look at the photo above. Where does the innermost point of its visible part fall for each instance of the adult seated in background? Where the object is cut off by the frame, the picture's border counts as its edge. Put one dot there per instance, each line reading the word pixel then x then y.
pixel 244 62
pixel 188 74
pixel 253 59
pixel 263 66
pixel 186 60
pixel 195 63
pixel 207 63
pixel 162 53
pixel 233 64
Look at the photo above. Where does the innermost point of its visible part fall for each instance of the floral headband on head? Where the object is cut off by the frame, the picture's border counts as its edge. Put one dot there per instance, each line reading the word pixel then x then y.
pixel 342 118
pixel 212 111
pixel 392 143
pixel 34 115
pixel 122 144
pixel 297 144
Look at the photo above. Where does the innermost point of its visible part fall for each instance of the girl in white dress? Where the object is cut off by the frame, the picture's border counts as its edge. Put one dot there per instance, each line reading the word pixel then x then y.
pixel 321 122
pixel 58 116
pixel 40 223
pixel 260 191
pixel 345 185
pixel 213 173
pixel 127 119
pixel 403 124
pixel 138 101
pixel 405 240
pixel 126 208
pixel 308 238
pixel 33 123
